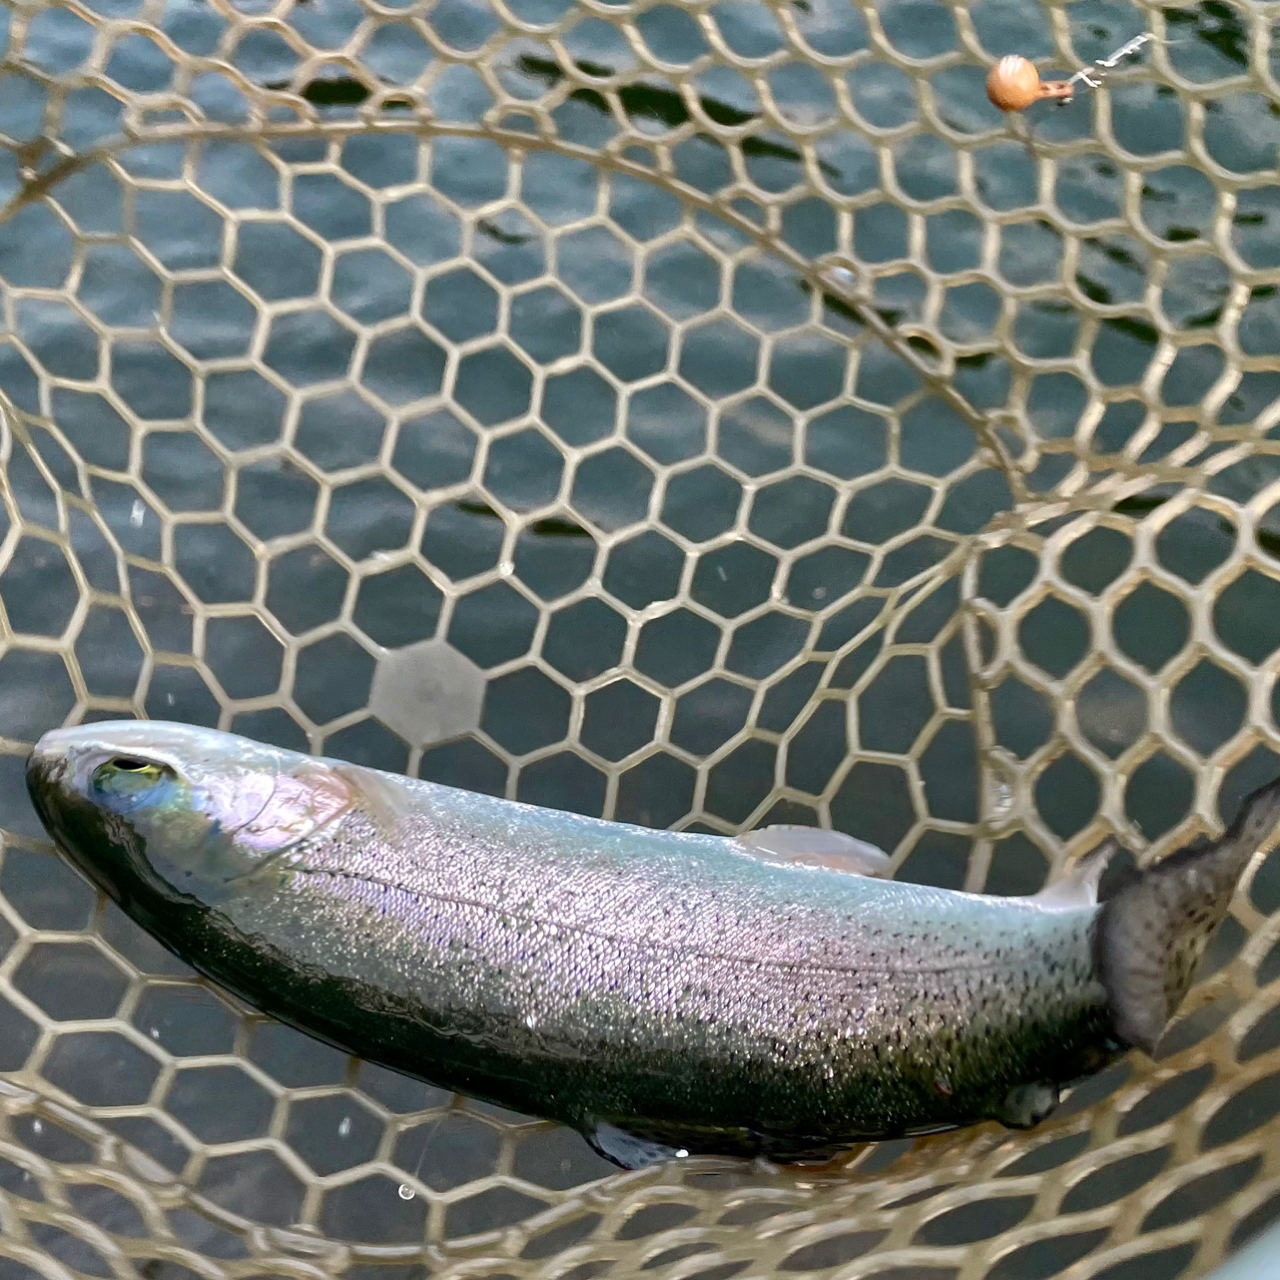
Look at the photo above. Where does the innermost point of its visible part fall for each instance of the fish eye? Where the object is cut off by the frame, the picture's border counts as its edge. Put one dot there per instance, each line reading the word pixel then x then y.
pixel 128 771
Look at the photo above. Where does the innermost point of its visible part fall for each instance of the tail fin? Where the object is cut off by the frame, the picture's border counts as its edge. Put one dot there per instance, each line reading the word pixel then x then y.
pixel 1151 935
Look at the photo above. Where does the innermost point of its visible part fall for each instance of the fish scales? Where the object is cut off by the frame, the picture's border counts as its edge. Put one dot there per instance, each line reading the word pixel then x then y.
pixel 674 986
pixel 632 951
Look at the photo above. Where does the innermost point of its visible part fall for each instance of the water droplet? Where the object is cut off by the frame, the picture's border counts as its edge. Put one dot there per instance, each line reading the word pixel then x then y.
pixel 1001 798
pixel 840 280
pixel 406 1192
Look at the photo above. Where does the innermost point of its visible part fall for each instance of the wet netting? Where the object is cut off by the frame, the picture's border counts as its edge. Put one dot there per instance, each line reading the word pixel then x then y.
pixel 700 414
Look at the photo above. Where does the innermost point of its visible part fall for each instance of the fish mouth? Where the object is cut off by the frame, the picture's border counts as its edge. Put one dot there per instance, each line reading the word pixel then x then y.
pixel 53 769
pixel 78 827
pixel 45 766
pixel 46 772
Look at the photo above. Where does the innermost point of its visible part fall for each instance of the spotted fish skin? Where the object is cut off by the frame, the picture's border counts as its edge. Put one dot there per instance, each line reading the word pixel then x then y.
pixel 672 986
pixel 669 987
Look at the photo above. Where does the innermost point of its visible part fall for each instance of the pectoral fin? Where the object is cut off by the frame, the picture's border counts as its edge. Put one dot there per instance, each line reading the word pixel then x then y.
pixel 628 1150
pixel 816 847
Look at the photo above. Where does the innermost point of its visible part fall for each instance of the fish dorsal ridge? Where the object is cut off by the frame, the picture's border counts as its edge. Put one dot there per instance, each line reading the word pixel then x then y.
pixel 815 847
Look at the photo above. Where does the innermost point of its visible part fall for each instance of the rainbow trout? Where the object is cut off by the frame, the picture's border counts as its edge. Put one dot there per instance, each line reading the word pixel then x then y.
pixel 656 990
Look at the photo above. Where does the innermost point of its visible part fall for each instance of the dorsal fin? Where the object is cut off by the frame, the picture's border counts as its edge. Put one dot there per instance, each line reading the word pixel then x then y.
pixel 816 847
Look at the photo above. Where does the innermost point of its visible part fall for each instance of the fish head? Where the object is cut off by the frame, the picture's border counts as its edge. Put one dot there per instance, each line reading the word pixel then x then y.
pixel 170 812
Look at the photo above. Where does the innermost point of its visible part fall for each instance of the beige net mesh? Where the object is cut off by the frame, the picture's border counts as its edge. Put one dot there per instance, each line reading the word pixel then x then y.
pixel 696 414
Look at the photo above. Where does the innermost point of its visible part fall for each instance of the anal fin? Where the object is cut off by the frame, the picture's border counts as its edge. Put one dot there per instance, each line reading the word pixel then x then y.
pixel 816 847
pixel 1026 1105
pixel 628 1150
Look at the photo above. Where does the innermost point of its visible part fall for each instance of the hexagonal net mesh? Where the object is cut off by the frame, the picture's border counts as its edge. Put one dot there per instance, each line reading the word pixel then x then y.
pixel 458 388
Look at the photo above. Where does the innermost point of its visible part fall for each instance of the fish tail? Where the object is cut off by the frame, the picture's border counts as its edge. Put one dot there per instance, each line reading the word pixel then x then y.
pixel 1151 935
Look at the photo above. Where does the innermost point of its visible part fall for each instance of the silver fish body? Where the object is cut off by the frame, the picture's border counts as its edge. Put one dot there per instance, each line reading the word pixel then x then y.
pixel 675 987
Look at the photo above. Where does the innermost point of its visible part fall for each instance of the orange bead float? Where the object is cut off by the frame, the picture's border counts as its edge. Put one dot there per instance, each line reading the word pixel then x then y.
pixel 1014 84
